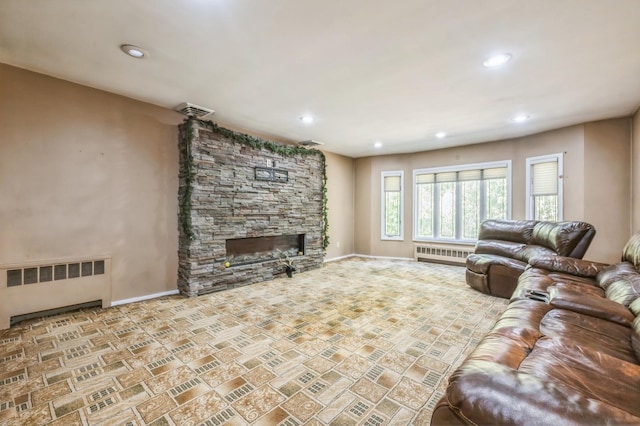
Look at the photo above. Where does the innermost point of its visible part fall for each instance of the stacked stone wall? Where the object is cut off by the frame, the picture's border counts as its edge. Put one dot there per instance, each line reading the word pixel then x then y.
pixel 228 202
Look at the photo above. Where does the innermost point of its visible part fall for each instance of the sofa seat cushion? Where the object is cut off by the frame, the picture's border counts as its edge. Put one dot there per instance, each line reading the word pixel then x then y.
pixel 542 279
pixel 571 299
pixel 594 374
pixel 522 317
pixel 589 334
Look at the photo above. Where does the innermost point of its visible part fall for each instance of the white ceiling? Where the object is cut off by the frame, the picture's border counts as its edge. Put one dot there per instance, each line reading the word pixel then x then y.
pixel 367 70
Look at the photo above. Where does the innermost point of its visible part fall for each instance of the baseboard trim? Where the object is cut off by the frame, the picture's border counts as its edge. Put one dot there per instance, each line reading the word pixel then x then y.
pixel 334 259
pixel 147 297
pixel 367 256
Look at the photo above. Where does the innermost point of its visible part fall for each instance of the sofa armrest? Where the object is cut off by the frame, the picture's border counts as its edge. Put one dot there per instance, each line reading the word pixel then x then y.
pixel 592 305
pixel 568 265
pixel 481 263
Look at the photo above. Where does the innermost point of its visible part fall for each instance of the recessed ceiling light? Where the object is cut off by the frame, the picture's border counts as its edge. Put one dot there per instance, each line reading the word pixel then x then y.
pixel 441 135
pixel 307 119
pixel 520 118
pixel 496 60
pixel 133 51
pixel 377 145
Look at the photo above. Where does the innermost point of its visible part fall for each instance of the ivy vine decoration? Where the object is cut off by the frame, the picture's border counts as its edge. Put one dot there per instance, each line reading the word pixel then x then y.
pixel 189 170
pixel 253 142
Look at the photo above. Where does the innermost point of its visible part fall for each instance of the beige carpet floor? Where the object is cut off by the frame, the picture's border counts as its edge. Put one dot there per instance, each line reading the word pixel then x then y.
pixel 366 342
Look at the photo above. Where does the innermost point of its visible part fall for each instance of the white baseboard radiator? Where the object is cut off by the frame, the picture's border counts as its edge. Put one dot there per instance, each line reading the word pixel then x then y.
pixel 442 253
pixel 42 288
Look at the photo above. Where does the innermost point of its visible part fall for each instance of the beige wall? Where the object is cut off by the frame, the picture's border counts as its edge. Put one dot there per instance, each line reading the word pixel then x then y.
pixel 364 233
pixel 83 173
pixel 340 200
pixel 572 141
pixel 635 168
pixel 607 182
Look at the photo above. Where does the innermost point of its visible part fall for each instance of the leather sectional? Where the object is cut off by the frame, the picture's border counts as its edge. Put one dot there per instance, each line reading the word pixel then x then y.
pixel 565 351
pixel 504 248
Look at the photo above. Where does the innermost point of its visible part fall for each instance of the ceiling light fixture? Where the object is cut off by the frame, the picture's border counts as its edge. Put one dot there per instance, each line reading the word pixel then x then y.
pixel 441 135
pixel 496 60
pixel 307 119
pixel 134 51
pixel 377 145
pixel 520 118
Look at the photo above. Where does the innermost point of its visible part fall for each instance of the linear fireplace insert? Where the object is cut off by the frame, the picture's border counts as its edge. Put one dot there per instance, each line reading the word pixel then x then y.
pixel 259 247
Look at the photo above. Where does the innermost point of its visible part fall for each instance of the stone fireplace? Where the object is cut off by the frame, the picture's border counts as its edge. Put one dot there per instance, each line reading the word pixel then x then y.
pixel 245 204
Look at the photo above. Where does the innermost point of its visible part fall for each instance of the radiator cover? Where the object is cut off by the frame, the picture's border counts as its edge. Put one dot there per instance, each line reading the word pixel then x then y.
pixel 455 254
pixel 37 286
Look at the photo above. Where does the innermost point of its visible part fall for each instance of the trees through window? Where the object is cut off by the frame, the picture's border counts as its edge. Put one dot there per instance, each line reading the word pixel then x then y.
pixel 392 205
pixel 544 187
pixel 450 203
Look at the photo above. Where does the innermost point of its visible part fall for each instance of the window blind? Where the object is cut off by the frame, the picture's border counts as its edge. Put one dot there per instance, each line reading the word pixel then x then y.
pixel 545 178
pixel 426 178
pixel 463 175
pixel 392 184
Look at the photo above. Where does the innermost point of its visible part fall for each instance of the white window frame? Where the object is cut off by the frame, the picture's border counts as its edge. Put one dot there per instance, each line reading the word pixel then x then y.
pixel 383 206
pixel 463 167
pixel 529 183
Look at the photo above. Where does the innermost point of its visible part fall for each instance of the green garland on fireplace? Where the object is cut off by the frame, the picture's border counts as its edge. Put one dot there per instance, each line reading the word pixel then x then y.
pixel 285 150
pixel 184 214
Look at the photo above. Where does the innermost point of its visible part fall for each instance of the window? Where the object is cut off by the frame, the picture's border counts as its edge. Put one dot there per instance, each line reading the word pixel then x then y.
pixel 544 187
pixel 392 202
pixel 449 203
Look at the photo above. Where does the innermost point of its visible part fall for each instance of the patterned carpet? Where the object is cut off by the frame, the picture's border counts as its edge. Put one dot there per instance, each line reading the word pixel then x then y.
pixel 366 342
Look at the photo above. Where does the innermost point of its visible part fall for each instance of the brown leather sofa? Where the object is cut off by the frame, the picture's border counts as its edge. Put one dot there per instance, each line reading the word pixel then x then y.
pixel 565 351
pixel 504 248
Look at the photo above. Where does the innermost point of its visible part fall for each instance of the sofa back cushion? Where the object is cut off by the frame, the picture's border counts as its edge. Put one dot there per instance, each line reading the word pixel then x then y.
pixel 631 251
pixel 570 239
pixel 625 290
pixel 532 251
pixel 613 273
pixel 517 231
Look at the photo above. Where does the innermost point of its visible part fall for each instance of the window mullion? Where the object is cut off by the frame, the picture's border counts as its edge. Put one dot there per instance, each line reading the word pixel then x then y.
pixel 483 197
pixel 436 210
pixel 458 221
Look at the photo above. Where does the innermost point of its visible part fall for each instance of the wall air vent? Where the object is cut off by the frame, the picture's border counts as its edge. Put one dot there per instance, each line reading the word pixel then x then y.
pixel 310 143
pixel 192 110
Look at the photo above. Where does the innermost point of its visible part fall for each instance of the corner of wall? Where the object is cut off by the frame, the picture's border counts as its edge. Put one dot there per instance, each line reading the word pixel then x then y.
pixel 635 171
